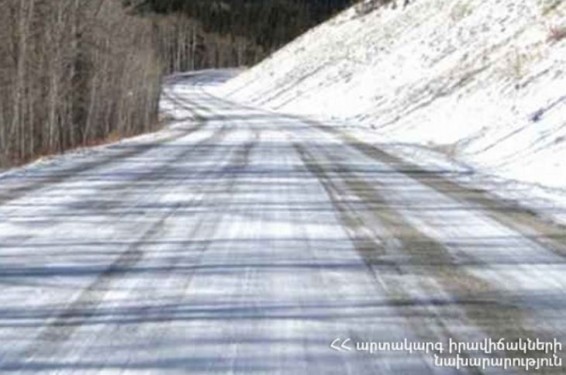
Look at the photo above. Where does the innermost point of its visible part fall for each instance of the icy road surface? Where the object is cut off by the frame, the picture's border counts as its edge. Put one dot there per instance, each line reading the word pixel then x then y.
pixel 243 241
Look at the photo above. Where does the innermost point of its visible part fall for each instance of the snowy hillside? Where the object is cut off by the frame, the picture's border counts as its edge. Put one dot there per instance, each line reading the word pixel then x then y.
pixel 482 81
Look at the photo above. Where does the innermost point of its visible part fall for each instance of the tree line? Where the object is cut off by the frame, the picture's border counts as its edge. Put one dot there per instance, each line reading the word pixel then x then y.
pixel 225 33
pixel 73 72
pixel 79 72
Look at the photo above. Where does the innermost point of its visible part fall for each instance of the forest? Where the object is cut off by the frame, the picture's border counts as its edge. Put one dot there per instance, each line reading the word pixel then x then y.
pixel 224 33
pixel 73 73
pixel 81 72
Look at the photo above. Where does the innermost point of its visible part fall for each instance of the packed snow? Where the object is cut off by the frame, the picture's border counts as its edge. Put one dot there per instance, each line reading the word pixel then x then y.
pixel 239 240
pixel 478 84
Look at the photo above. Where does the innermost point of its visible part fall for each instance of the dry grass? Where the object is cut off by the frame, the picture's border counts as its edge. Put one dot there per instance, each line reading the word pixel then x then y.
pixel 460 11
pixel 556 33
pixel 14 160
pixel 548 6
pixel 517 64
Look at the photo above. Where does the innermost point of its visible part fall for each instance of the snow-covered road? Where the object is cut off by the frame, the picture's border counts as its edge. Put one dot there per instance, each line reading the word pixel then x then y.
pixel 244 241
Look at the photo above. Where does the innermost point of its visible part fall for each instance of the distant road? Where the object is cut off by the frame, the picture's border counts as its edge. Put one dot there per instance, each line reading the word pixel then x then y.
pixel 243 241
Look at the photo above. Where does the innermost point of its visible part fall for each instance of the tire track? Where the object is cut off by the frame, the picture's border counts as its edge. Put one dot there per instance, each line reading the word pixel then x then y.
pixel 84 307
pixel 463 297
pixel 547 234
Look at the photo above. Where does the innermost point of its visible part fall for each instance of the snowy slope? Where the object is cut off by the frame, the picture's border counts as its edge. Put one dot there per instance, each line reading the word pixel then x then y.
pixel 482 81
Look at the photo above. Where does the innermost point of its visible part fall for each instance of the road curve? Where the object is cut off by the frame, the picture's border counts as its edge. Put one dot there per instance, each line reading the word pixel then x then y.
pixel 244 241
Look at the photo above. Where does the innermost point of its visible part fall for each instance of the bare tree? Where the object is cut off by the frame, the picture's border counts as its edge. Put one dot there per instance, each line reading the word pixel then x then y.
pixel 73 72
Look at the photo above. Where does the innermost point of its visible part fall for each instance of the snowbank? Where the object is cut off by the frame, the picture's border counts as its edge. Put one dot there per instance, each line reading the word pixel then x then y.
pixel 482 81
